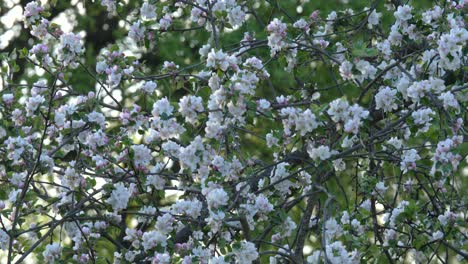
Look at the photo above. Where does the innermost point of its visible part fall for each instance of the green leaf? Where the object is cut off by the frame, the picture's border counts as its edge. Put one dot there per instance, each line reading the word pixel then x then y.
pixel 90 182
pixel 114 47
pixel 23 53
pixel 108 187
pixel 16 68
pixel 360 50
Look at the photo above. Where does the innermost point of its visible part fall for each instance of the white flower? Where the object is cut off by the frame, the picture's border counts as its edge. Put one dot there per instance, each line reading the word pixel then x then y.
pixel 402 86
pixel 367 70
pixel 162 258
pixel 218 260
pixel 305 122
pixel 247 253
pixel 366 205
pixel 40 30
pixel 17 179
pixel 339 165
pixel 13 195
pixel 288 227
pixel 431 15
pixel 403 13
pixel 170 66
pixel 438 235
pixel 71 42
pixel 395 36
pixel 349 142
pixel 277 35
pixel 148 11
pixel 52 252
pixel 164 223
pixel 216 198
pixel 129 70
pixel 149 87
pixel 188 155
pixel 154 179
pixel 33 103
pixel 417 90
pixel 204 50
pixel 408 160
pixel 191 208
pixel 380 188
pixel 165 22
pixel 141 155
pixel 215 220
pixel 39 87
pixel 4 240
pixel 449 100
pixel 315 257
pixel 97 118
pixel 262 204
pixel 385 99
pixel 8 98
pixel 190 107
pixel 31 11
pixel 137 31
pixel 446 218
pixel 3 134
pixel 321 152
pixel 332 229
pixel 346 70
pixel 373 19
pixel 153 238
pixel 423 118
pixel 385 47
pixel 263 104
pixel 395 142
pixel 338 110
pixel 271 140
pixel 114 78
pixel 301 24
pixel 101 66
pixel 162 107
pixel 120 196
pixel 220 60
pixel 236 16
pixel 133 236
pixel 59 118
pixel 277 176
pixel 110 5
pixel 337 254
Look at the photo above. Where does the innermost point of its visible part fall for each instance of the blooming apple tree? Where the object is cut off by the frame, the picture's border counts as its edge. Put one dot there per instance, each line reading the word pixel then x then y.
pixel 357 158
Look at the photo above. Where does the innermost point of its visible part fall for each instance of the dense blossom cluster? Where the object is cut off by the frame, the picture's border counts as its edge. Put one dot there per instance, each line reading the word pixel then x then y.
pixel 215 163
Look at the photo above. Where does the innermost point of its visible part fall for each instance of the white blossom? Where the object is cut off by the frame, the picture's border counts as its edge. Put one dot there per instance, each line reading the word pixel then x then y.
pixel 162 107
pixel 4 240
pixel 52 252
pixel 216 198
pixel 320 152
pixel 137 31
pixel 151 239
pixel 149 87
pixel 247 253
pixel 148 11
pixel 120 196
pixel 408 160
pixel 385 99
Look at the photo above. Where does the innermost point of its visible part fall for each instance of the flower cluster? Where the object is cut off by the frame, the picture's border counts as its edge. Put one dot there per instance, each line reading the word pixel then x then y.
pixel 308 139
